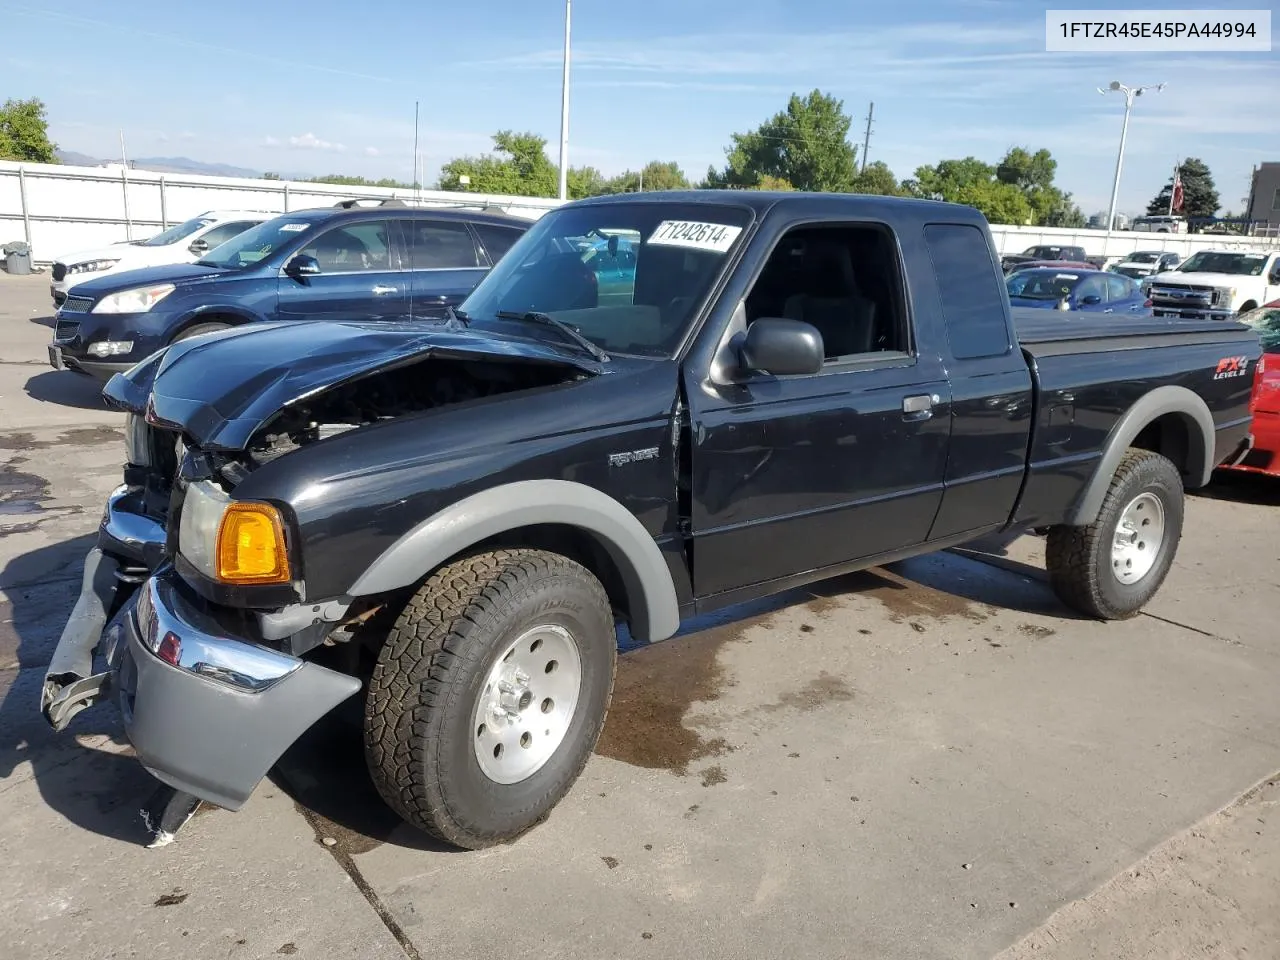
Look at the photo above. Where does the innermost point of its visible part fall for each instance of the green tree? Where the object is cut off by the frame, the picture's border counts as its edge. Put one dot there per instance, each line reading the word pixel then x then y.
pixel 24 132
pixel 877 179
pixel 767 182
pixel 1033 173
pixel 655 175
pixel 270 176
pixel 517 167
pixel 806 144
pixel 974 183
pixel 346 180
pixel 1199 195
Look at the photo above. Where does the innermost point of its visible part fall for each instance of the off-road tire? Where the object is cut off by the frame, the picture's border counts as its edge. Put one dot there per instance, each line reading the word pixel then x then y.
pixel 430 671
pixel 201 328
pixel 1079 558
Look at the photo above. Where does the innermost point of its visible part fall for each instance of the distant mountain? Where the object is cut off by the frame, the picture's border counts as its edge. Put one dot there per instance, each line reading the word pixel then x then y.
pixel 187 165
pixel 163 165
pixel 73 159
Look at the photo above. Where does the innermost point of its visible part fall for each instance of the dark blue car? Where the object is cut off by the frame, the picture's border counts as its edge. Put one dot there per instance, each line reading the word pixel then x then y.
pixel 1091 291
pixel 330 263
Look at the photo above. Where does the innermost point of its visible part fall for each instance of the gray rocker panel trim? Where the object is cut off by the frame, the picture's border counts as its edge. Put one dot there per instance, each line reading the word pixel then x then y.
pixel 651 596
pixel 1201 435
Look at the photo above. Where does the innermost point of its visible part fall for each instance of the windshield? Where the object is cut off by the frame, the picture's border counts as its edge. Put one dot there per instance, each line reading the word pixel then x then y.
pixel 1137 273
pixel 628 275
pixel 255 243
pixel 1209 261
pixel 1042 284
pixel 175 233
pixel 1143 257
pixel 1266 322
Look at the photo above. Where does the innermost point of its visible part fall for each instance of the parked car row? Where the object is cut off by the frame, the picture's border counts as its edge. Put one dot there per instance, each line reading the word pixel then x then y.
pixel 181 243
pixel 329 263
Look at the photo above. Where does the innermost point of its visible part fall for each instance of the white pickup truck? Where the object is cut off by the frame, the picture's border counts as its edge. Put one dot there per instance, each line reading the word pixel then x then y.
pixel 1216 285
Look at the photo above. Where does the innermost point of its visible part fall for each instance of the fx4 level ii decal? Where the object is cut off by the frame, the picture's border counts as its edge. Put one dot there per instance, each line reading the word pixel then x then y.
pixel 1231 367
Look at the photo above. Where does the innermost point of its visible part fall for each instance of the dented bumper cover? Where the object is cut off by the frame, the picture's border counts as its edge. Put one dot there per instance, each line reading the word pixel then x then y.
pixel 207 712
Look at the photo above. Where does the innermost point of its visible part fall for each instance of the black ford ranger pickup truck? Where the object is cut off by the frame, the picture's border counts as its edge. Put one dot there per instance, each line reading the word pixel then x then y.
pixel 654 406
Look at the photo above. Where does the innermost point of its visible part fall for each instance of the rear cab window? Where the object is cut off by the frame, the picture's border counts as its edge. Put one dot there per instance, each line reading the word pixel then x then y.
pixel 969 285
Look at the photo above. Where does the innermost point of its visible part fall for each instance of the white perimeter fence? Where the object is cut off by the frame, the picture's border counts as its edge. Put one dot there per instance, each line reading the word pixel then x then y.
pixel 59 209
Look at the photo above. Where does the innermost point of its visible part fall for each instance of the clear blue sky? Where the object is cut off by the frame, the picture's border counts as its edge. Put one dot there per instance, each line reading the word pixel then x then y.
pixel 319 87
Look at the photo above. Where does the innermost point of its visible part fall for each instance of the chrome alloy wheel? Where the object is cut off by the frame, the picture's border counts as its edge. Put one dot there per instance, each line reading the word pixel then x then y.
pixel 1138 538
pixel 527 703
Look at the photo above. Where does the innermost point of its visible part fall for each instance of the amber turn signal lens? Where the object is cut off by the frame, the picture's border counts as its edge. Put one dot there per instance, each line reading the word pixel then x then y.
pixel 251 545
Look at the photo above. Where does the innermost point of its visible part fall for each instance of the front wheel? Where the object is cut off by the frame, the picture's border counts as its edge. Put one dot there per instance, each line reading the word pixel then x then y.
pixel 490 694
pixel 1112 567
pixel 200 329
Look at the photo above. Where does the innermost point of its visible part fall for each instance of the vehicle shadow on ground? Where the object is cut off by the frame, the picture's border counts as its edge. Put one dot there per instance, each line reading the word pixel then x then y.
pixel 44 321
pixel 97 787
pixel 68 389
pixel 324 772
pixel 1242 488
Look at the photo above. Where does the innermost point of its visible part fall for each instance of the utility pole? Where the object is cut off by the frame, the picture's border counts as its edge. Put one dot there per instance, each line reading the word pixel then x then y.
pixel 866 140
pixel 124 180
pixel 417 183
pixel 1129 93
pixel 564 109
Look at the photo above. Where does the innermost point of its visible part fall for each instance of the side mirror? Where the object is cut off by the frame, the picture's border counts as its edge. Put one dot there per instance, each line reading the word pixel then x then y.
pixel 1090 300
pixel 302 266
pixel 199 246
pixel 782 347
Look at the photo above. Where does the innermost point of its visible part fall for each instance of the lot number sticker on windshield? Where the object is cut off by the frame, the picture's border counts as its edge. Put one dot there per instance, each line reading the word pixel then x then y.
pixel 292 227
pixel 717 237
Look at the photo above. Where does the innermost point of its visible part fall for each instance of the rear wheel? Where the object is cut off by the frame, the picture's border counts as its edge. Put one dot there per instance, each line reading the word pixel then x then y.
pixel 1112 567
pixel 489 695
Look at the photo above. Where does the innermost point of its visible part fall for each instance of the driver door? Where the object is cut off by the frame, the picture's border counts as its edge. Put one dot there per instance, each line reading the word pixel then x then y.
pixel 359 279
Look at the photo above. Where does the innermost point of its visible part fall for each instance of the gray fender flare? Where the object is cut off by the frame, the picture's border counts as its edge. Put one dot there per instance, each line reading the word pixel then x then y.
pixel 651 595
pixel 1160 402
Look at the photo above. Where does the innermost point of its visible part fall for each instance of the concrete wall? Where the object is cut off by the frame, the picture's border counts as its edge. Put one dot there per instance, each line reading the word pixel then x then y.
pixel 1010 239
pixel 60 209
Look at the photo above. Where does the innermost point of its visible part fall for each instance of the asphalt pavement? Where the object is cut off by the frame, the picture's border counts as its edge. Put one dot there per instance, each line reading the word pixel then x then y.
pixel 934 759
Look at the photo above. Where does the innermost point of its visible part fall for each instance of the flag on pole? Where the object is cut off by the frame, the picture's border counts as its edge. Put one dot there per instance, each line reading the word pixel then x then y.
pixel 1176 199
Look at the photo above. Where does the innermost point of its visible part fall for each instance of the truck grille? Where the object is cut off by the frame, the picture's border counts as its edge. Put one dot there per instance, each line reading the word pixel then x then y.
pixel 1183 295
pixel 65 330
pixel 77 304
pixel 59 271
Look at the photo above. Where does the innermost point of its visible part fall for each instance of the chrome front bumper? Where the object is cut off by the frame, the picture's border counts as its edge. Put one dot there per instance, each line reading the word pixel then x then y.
pixel 208 713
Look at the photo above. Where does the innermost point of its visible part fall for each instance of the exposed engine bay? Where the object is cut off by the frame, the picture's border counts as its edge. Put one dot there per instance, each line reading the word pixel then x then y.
pixel 397 392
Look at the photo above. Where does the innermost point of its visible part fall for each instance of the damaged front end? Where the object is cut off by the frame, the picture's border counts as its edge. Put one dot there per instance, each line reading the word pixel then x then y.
pixel 211 690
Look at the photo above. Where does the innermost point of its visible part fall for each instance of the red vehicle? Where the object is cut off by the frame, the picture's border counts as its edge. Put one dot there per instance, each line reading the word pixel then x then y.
pixel 1263 452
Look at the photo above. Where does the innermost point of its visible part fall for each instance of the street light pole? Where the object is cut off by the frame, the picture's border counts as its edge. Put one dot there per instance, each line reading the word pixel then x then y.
pixel 564 109
pixel 1129 94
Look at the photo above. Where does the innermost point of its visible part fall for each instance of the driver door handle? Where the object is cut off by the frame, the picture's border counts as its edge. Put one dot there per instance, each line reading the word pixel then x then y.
pixel 919 407
pixel 380 289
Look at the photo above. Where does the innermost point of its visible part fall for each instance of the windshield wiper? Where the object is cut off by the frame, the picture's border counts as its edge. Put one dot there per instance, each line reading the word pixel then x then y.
pixel 456 316
pixel 533 316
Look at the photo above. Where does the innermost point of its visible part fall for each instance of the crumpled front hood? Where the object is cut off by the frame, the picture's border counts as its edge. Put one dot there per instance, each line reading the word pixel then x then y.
pixel 222 388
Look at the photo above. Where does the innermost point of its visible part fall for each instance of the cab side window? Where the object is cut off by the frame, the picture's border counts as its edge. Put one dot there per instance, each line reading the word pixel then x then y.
pixel 973 301
pixel 352 248
pixel 1120 288
pixel 439 245
pixel 843 280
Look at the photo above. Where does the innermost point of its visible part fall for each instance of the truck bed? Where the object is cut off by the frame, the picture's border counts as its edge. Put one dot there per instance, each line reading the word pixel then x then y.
pixel 1045 333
